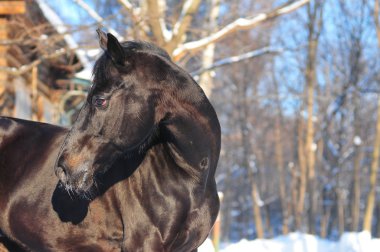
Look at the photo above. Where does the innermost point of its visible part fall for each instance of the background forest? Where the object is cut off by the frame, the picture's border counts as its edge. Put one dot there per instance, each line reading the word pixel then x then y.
pixel 295 85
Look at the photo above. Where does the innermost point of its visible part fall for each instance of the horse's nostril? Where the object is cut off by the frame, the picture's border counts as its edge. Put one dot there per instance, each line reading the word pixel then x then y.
pixel 61 174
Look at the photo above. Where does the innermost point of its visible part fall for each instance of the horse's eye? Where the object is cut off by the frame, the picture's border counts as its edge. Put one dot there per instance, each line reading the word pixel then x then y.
pixel 99 102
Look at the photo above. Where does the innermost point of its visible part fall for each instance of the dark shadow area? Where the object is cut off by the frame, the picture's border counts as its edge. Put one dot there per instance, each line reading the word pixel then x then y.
pixel 74 207
pixel 10 245
pixel 70 207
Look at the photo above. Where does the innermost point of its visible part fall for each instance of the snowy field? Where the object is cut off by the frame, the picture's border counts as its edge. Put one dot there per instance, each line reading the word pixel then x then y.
pixel 298 242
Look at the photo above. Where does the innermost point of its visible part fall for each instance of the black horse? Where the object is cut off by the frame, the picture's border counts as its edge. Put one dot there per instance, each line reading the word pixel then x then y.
pixel 134 173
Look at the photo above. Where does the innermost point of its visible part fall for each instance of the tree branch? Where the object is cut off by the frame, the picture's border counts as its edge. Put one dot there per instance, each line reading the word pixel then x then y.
pixel 238 58
pixel 136 17
pixel 376 20
pixel 183 22
pixel 25 68
pixel 156 10
pixel 96 17
pixel 205 79
pixel 127 5
pixel 134 12
pixel 237 25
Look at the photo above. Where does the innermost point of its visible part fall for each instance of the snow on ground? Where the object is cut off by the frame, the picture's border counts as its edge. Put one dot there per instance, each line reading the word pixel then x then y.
pixel 207 246
pixel 298 242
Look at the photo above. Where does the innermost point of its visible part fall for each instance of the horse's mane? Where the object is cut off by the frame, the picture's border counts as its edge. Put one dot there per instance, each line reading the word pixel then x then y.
pixel 142 46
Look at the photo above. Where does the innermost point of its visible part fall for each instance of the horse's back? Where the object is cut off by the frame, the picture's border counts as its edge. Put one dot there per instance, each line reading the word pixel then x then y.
pixel 23 132
pixel 26 149
pixel 34 211
pixel 26 141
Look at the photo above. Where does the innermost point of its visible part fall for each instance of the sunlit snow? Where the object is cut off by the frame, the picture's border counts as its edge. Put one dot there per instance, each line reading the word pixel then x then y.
pixel 299 242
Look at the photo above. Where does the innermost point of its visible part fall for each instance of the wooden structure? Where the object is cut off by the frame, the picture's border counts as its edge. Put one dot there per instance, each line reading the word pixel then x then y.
pixel 12 7
pixel 6 8
pixel 34 61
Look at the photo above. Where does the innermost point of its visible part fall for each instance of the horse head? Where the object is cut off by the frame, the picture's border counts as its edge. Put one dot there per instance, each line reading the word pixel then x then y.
pixel 138 95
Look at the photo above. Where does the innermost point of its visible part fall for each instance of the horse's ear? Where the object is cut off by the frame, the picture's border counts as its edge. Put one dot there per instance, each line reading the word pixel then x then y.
pixel 102 39
pixel 115 49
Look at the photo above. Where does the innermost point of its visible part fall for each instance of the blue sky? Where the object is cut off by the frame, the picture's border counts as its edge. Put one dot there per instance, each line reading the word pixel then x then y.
pixel 71 13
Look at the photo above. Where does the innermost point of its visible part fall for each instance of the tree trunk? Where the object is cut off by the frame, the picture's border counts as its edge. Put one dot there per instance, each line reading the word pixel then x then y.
pixel 341 219
pixel 268 225
pixel 371 198
pixel 377 232
pixel 256 204
pixel 339 189
pixel 303 175
pixel 310 150
pixel 226 208
pixel 280 164
pixel 294 189
pixel 256 201
pixel 206 79
pixel 325 221
pixel 314 28
pixel 246 160
pixel 355 205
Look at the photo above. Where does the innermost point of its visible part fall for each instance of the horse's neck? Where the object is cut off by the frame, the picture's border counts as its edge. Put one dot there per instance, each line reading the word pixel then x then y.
pixel 194 141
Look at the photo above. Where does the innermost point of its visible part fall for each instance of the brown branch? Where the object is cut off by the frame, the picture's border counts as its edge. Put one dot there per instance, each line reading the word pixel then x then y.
pixel 128 6
pixel 137 18
pixel 28 40
pixel 25 68
pixel 96 16
pixel 157 20
pixel 238 58
pixel 376 19
pixel 183 22
pixel 238 25
pixel 208 55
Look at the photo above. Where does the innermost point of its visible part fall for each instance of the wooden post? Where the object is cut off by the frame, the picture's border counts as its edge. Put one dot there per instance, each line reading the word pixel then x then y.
pixel 3 59
pixel 12 7
pixel 6 8
pixel 217 226
pixel 37 101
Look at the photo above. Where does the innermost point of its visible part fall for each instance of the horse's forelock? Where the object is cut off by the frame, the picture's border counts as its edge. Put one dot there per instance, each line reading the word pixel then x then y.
pixel 102 69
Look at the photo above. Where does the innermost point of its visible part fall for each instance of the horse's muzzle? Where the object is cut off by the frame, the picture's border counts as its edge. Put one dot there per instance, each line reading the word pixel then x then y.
pixel 79 181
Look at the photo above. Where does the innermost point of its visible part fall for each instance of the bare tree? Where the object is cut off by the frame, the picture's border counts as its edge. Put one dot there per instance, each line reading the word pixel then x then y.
pixel 315 11
pixel 280 161
pixel 367 222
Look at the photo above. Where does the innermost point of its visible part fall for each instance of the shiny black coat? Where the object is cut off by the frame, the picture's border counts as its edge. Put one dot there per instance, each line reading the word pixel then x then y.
pixel 134 173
